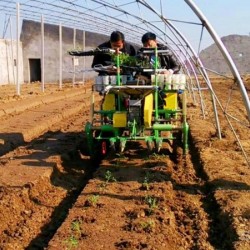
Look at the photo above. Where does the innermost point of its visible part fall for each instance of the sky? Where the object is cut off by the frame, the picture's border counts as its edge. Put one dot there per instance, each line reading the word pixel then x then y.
pixel 226 16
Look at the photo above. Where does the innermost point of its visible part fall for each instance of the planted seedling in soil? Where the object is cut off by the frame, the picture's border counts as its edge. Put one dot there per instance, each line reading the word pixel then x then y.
pixel 92 200
pixel 152 204
pixel 146 181
pixel 109 177
pixel 147 226
pixel 73 240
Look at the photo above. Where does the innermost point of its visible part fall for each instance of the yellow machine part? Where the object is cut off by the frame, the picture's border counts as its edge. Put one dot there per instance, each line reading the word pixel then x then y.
pixel 109 102
pixel 120 119
pixel 171 101
pixel 148 110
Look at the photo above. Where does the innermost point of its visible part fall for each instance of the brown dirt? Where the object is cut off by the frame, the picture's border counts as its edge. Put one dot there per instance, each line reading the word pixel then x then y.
pixel 51 197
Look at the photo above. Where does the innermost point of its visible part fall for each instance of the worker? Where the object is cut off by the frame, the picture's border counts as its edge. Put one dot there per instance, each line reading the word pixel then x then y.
pixel 116 42
pixel 167 60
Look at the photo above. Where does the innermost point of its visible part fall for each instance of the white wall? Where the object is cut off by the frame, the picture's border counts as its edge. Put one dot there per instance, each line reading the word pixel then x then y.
pixel 8 52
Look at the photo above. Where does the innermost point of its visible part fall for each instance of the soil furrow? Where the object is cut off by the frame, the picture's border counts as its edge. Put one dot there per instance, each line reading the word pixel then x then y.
pixel 222 235
pixel 152 197
pixel 23 127
pixel 52 197
pixel 41 184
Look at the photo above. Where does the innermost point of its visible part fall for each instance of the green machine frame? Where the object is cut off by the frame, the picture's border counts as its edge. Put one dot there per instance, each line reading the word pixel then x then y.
pixel 137 112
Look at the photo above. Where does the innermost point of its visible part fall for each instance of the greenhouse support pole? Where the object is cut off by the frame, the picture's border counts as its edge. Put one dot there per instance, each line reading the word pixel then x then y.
pixel 12 54
pixel 17 49
pixel 42 53
pixel 60 56
pixel 84 59
pixel 74 59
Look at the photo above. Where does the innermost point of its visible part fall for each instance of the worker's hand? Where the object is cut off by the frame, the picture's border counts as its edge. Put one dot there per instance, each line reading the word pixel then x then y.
pixel 144 79
pixel 111 69
pixel 167 71
pixel 117 50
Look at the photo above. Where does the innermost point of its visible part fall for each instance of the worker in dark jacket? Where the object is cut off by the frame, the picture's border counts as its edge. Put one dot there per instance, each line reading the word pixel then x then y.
pixel 116 42
pixel 167 60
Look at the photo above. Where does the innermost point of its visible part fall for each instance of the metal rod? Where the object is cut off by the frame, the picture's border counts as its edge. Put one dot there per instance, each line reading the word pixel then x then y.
pixel 17 49
pixel 12 54
pixel 42 53
pixel 74 67
pixel 84 59
pixel 60 56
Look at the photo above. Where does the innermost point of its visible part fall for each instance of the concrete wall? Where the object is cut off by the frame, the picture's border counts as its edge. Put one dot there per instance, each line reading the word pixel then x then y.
pixel 31 40
pixel 8 60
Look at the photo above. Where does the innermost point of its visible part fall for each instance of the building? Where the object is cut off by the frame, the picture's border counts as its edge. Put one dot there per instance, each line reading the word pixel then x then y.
pixel 8 62
pixel 31 39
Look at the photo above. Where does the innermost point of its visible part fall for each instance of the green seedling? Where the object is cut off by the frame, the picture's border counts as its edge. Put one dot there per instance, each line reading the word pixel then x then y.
pixel 125 60
pixel 147 226
pixel 109 177
pixel 146 181
pixel 71 242
pixel 76 226
pixel 145 185
pixel 151 202
pixel 93 199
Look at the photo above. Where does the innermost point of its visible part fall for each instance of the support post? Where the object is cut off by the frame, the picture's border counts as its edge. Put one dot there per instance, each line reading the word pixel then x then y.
pixel 84 59
pixel 42 53
pixel 60 56
pixel 74 67
pixel 17 49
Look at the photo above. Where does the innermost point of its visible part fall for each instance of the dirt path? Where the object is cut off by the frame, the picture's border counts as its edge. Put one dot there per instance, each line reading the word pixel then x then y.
pixel 51 197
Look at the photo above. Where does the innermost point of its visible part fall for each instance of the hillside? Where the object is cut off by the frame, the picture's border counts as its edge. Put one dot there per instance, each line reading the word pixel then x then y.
pixel 238 48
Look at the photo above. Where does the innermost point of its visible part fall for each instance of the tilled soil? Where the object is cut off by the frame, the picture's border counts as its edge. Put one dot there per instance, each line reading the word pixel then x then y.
pixel 53 197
